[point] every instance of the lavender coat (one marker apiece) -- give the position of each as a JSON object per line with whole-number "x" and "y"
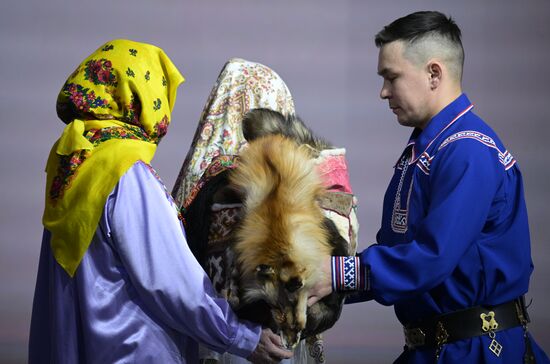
{"x": 138, "y": 296}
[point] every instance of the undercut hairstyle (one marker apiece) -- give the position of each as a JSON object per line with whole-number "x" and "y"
{"x": 427, "y": 34}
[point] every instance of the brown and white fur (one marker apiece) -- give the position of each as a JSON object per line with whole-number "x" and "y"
{"x": 281, "y": 238}
{"x": 283, "y": 234}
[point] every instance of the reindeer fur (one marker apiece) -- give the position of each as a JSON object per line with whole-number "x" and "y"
{"x": 283, "y": 234}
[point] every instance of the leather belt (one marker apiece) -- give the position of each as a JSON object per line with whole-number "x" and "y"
{"x": 463, "y": 324}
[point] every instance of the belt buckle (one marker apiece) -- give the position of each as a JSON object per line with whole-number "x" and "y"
{"x": 414, "y": 337}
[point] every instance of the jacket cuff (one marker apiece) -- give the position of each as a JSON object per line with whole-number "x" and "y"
{"x": 348, "y": 274}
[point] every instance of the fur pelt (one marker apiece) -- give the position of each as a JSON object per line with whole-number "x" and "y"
{"x": 283, "y": 234}
{"x": 281, "y": 238}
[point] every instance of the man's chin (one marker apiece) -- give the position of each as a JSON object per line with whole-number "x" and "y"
{"x": 408, "y": 122}
{"x": 404, "y": 122}
{"x": 401, "y": 119}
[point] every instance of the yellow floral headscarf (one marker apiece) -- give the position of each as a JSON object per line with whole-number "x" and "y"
{"x": 117, "y": 107}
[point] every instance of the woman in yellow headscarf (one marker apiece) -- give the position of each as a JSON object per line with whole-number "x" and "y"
{"x": 116, "y": 280}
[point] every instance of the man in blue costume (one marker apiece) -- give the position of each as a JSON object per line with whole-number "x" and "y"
{"x": 453, "y": 252}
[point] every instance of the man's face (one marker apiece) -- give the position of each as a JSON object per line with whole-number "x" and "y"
{"x": 406, "y": 86}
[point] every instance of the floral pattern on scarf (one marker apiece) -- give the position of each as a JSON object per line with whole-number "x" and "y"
{"x": 100, "y": 72}
{"x": 123, "y": 93}
{"x": 69, "y": 164}
{"x": 240, "y": 87}
{"x": 77, "y": 99}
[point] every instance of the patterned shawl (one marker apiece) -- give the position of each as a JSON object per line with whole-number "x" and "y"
{"x": 240, "y": 87}
{"x": 117, "y": 106}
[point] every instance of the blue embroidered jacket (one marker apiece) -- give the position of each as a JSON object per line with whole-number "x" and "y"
{"x": 454, "y": 230}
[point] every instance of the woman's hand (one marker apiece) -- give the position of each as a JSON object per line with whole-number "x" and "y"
{"x": 270, "y": 349}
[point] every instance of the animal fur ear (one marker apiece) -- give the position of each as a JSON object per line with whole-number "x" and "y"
{"x": 265, "y": 271}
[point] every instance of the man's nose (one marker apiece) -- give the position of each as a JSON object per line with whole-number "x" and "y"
{"x": 384, "y": 93}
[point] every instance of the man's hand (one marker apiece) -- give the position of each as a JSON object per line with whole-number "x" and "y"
{"x": 323, "y": 287}
{"x": 269, "y": 350}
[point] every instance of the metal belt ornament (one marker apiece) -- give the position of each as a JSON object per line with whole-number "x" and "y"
{"x": 441, "y": 337}
{"x": 489, "y": 324}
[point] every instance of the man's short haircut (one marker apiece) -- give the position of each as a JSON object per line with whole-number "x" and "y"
{"x": 427, "y": 34}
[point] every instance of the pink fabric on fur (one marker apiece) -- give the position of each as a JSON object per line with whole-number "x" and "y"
{"x": 333, "y": 170}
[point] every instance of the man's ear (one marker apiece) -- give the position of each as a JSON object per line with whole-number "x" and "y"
{"x": 435, "y": 72}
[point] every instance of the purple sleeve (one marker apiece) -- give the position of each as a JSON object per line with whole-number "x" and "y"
{"x": 151, "y": 243}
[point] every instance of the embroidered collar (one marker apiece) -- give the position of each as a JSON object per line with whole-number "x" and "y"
{"x": 422, "y": 139}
